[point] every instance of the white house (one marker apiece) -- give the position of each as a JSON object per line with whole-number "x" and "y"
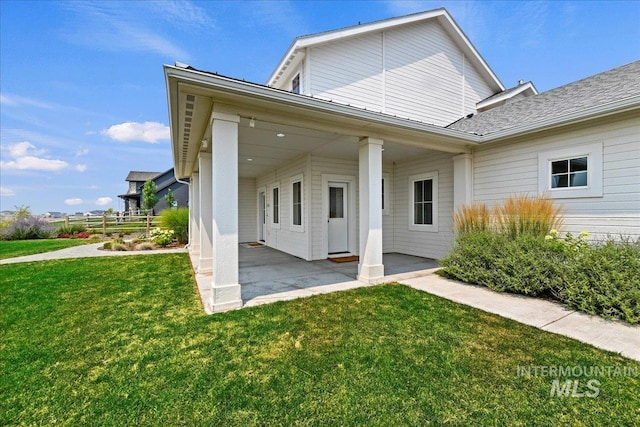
{"x": 365, "y": 140}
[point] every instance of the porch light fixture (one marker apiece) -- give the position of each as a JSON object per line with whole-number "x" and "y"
{"x": 280, "y": 135}
{"x": 204, "y": 143}
{"x": 252, "y": 123}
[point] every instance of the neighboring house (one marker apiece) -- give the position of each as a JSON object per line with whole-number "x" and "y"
{"x": 366, "y": 139}
{"x": 163, "y": 180}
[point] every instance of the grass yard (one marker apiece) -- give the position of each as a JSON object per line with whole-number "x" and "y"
{"x": 124, "y": 341}
{"x": 16, "y": 248}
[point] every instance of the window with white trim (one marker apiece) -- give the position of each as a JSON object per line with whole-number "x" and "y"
{"x": 295, "y": 84}
{"x": 423, "y": 202}
{"x": 297, "y": 207}
{"x": 571, "y": 172}
{"x": 386, "y": 195}
{"x": 275, "y": 206}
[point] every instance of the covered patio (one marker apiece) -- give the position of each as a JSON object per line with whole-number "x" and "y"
{"x": 268, "y": 275}
{"x": 300, "y": 174}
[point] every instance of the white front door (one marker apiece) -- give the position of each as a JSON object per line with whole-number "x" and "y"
{"x": 338, "y": 220}
{"x": 262, "y": 215}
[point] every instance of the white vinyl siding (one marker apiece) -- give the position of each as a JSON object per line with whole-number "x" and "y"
{"x": 415, "y": 71}
{"x": 435, "y": 244}
{"x": 324, "y": 166}
{"x": 616, "y": 212}
{"x": 247, "y": 210}
{"x": 349, "y": 72}
{"x": 288, "y": 238}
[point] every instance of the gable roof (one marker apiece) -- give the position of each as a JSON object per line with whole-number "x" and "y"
{"x": 526, "y": 89}
{"x": 138, "y": 176}
{"x": 577, "y": 98}
{"x": 295, "y": 53}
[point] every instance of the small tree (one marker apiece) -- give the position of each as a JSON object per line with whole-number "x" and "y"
{"x": 171, "y": 201}
{"x": 149, "y": 196}
{"x": 21, "y": 212}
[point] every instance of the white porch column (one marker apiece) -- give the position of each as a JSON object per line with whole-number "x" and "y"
{"x": 205, "y": 261}
{"x": 225, "y": 285}
{"x": 462, "y": 180}
{"x": 194, "y": 212}
{"x": 370, "y": 267}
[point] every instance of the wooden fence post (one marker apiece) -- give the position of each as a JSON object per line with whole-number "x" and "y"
{"x": 104, "y": 224}
{"x": 66, "y": 220}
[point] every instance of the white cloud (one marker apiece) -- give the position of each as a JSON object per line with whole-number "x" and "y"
{"x": 133, "y": 131}
{"x": 4, "y": 191}
{"x": 17, "y": 101}
{"x": 75, "y": 201}
{"x": 35, "y": 164}
{"x": 27, "y": 156}
{"x": 102, "y": 201}
{"x": 82, "y": 152}
{"x": 109, "y": 26}
{"x": 22, "y": 149}
{"x": 81, "y": 168}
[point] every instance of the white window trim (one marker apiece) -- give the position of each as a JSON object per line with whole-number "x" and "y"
{"x": 297, "y": 228}
{"x": 275, "y": 225}
{"x": 387, "y": 195}
{"x": 432, "y": 228}
{"x": 593, "y": 153}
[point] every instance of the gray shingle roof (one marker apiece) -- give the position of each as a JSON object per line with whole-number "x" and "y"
{"x": 137, "y": 176}
{"x": 604, "y": 88}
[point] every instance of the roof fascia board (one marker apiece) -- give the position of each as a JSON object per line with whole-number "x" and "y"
{"x": 604, "y": 110}
{"x": 284, "y": 97}
{"x": 505, "y": 96}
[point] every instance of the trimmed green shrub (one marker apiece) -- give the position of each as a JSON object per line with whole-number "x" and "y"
{"x": 144, "y": 246}
{"x": 71, "y": 229}
{"x": 107, "y": 246}
{"x": 605, "y": 280}
{"x": 161, "y": 237}
{"x": 527, "y": 264}
{"x": 178, "y": 221}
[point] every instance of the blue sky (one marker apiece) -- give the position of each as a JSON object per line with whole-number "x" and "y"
{"x": 82, "y": 92}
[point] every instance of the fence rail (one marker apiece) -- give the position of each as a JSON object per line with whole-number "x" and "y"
{"x": 129, "y": 222}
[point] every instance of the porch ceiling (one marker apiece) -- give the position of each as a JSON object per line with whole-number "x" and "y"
{"x": 260, "y": 149}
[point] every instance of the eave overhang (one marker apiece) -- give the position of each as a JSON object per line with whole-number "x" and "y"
{"x": 191, "y": 95}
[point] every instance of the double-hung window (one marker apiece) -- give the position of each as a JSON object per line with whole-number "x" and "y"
{"x": 297, "y": 208}
{"x": 275, "y": 206}
{"x": 295, "y": 84}
{"x": 423, "y": 202}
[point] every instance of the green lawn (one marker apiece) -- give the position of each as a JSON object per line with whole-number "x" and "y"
{"x": 15, "y": 248}
{"x": 123, "y": 341}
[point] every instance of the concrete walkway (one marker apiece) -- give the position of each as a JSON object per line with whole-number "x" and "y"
{"x": 84, "y": 251}
{"x": 609, "y": 335}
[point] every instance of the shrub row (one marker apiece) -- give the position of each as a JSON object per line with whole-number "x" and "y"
{"x": 601, "y": 279}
